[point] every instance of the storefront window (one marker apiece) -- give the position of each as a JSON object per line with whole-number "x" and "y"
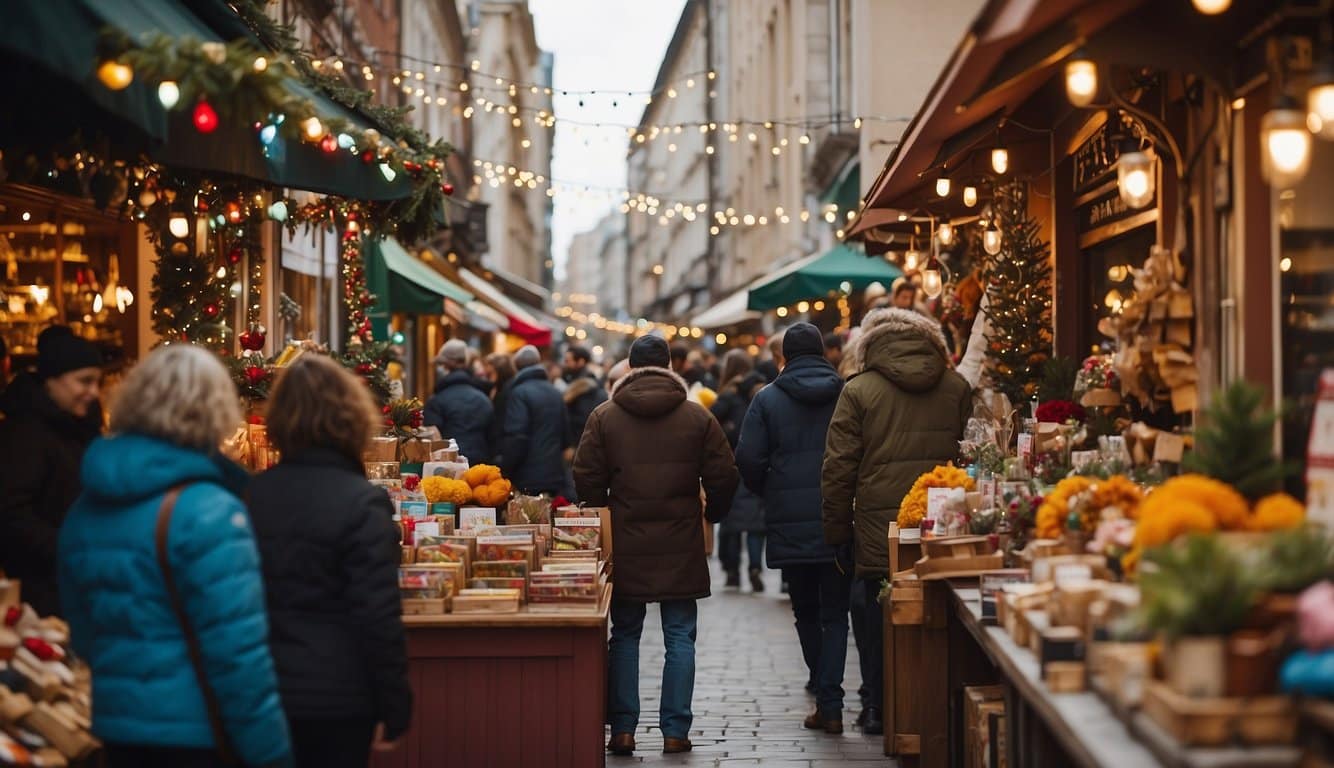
{"x": 1305, "y": 217}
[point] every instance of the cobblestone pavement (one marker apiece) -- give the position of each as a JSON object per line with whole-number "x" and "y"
{"x": 749, "y": 696}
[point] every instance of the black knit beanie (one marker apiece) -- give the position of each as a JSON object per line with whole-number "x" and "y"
{"x": 60, "y": 353}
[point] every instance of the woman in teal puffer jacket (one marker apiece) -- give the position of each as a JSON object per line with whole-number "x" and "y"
{"x": 170, "y": 414}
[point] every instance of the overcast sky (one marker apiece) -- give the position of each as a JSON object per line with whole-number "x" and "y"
{"x": 609, "y": 45}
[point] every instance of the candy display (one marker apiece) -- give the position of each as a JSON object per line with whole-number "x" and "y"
{"x": 579, "y": 533}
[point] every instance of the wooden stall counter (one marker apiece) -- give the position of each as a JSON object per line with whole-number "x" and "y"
{"x": 495, "y": 690}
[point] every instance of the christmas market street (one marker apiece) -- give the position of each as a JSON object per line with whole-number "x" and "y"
{"x": 581, "y": 383}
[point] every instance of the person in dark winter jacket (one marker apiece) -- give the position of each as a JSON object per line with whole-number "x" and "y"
{"x": 170, "y": 415}
{"x": 330, "y": 553}
{"x": 583, "y": 394}
{"x": 780, "y": 456}
{"x": 532, "y": 452}
{"x": 646, "y": 453}
{"x": 51, "y": 416}
{"x": 902, "y": 413}
{"x": 499, "y": 368}
{"x": 458, "y": 408}
{"x": 740, "y": 383}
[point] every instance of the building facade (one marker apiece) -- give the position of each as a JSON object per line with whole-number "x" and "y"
{"x": 803, "y": 95}
{"x": 595, "y": 269}
{"x": 511, "y": 108}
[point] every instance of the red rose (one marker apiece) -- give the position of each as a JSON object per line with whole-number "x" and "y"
{"x": 1060, "y": 411}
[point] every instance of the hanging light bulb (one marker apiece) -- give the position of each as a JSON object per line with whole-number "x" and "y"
{"x": 911, "y": 259}
{"x": 943, "y": 186}
{"x": 387, "y": 172}
{"x": 1135, "y": 177}
{"x": 1000, "y": 160}
{"x": 991, "y": 240}
{"x": 179, "y": 226}
{"x": 1286, "y": 146}
{"x": 168, "y": 92}
{"x": 267, "y": 134}
{"x": 114, "y": 75}
{"x": 1081, "y": 79}
{"x": 278, "y": 211}
{"x": 932, "y": 283}
{"x": 313, "y": 128}
{"x": 1211, "y": 7}
{"x": 1320, "y": 102}
{"x": 970, "y": 196}
{"x": 945, "y": 233}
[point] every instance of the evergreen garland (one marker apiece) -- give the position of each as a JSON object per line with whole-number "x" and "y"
{"x": 1019, "y": 284}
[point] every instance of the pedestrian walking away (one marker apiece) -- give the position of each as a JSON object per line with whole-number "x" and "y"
{"x": 160, "y": 577}
{"x": 534, "y": 429}
{"x": 459, "y": 408}
{"x": 901, "y": 414}
{"x": 645, "y": 454}
{"x": 746, "y": 518}
{"x": 334, "y": 611}
{"x": 780, "y": 454}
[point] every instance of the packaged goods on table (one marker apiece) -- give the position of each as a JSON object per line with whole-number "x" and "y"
{"x": 576, "y": 533}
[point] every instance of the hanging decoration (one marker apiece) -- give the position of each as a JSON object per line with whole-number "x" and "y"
{"x": 357, "y": 300}
{"x": 1019, "y": 284}
{"x": 1153, "y": 331}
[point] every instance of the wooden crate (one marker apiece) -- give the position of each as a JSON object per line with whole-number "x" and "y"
{"x": 957, "y": 556}
{"x": 1217, "y": 722}
{"x": 979, "y": 701}
{"x": 903, "y": 652}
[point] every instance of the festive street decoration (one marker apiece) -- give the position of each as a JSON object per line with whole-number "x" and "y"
{"x": 1019, "y": 284}
{"x": 188, "y": 296}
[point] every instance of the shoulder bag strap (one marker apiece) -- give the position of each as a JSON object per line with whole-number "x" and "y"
{"x": 220, "y": 739}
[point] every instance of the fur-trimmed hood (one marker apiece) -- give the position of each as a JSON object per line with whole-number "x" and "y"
{"x": 580, "y": 386}
{"x": 650, "y": 391}
{"x": 905, "y": 346}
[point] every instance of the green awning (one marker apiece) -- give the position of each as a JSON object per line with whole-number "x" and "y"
{"x": 818, "y": 276}
{"x": 846, "y": 190}
{"x": 51, "y": 47}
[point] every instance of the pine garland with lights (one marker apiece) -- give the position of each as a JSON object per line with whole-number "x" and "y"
{"x": 356, "y": 298}
{"x": 1019, "y": 284}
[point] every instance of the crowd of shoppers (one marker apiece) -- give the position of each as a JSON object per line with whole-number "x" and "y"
{"x": 260, "y": 617}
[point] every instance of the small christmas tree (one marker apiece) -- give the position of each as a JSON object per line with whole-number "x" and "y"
{"x": 1235, "y": 443}
{"x": 190, "y": 303}
{"x": 1019, "y": 287}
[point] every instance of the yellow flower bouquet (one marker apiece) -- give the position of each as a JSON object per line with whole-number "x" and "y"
{"x": 443, "y": 489}
{"x": 912, "y": 510}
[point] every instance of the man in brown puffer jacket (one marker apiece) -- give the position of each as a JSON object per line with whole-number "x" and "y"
{"x": 901, "y": 414}
{"x": 645, "y": 454}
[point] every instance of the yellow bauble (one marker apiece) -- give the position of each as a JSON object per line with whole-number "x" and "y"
{"x": 115, "y": 75}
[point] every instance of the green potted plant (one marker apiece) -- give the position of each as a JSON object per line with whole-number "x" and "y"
{"x": 1195, "y": 592}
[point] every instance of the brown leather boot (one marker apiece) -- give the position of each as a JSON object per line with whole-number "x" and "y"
{"x": 622, "y": 744}
{"x": 816, "y": 722}
{"x": 672, "y": 746}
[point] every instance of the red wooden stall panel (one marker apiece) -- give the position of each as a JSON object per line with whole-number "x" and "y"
{"x": 504, "y": 697}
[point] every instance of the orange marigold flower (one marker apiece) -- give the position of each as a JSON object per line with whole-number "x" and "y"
{"x": 912, "y": 510}
{"x": 1277, "y": 512}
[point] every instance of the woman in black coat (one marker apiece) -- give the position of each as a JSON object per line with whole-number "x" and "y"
{"x": 50, "y": 418}
{"x": 330, "y": 554}
{"x": 740, "y": 383}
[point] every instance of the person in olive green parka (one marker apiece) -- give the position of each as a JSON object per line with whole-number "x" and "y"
{"x": 902, "y": 413}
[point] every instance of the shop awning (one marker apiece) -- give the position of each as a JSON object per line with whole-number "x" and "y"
{"x": 522, "y": 322}
{"x": 403, "y": 283}
{"x": 728, "y": 312}
{"x": 817, "y": 276}
{"x": 1012, "y": 49}
{"x": 54, "y": 44}
{"x": 482, "y": 317}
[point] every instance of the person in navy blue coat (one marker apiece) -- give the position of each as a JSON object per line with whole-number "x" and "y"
{"x": 171, "y": 413}
{"x": 780, "y": 455}
{"x": 535, "y": 436}
{"x": 459, "y": 409}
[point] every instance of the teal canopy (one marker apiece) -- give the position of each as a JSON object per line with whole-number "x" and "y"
{"x": 52, "y": 49}
{"x": 818, "y": 276}
{"x": 403, "y": 283}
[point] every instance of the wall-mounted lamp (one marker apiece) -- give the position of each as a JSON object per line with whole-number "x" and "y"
{"x": 1286, "y": 146}
{"x": 1081, "y": 79}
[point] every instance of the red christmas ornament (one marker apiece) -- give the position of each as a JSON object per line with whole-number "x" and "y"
{"x": 329, "y": 144}
{"x": 205, "y": 117}
{"x": 255, "y": 375}
{"x": 211, "y": 309}
{"x": 368, "y": 156}
{"x": 365, "y": 368}
{"x": 253, "y": 339}
{"x": 201, "y": 204}
{"x": 447, "y": 188}
{"x": 234, "y": 256}
{"x": 42, "y": 649}
{"x": 385, "y": 410}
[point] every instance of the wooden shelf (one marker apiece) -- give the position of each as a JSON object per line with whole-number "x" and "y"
{"x": 524, "y": 618}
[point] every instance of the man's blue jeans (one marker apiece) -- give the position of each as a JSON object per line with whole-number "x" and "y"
{"x": 679, "y": 618}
